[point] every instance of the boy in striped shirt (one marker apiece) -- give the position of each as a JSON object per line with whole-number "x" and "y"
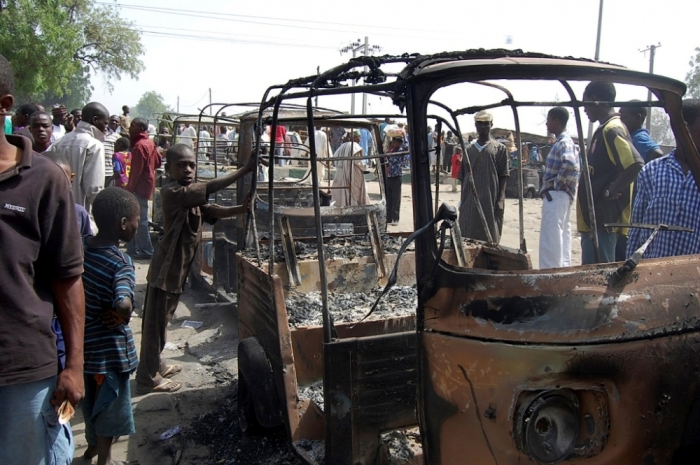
{"x": 110, "y": 352}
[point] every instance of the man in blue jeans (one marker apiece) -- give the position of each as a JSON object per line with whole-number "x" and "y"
{"x": 145, "y": 159}
{"x": 40, "y": 273}
{"x": 613, "y": 165}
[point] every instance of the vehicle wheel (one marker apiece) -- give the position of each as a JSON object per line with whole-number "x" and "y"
{"x": 246, "y": 409}
{"x": 529, "y": 194}
{"x": 257, "y": 385}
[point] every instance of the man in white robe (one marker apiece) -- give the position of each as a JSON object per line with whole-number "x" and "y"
{"x": 349, "y": 175}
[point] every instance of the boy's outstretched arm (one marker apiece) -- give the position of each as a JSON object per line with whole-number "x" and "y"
{"x": 217, "y": 211}
{"x": 220, "y": 183}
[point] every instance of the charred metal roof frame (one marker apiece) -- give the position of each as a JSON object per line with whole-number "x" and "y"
{"x": 474, "y": 66}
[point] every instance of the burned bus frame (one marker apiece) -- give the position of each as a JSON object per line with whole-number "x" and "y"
{"x": 594, "y": 364}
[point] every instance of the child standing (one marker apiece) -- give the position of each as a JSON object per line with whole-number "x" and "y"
{"x": 456, "y": 164}
{"x": 121, "y": 161}
{"x": 110, "y": 353}
{"x": 185, "y": 206}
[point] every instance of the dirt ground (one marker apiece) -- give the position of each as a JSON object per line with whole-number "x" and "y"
{"x": 198, "y": 424}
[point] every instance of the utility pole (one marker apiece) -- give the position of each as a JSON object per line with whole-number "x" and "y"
{"x": 210, "y": 101}
{"x": 597, "y": 58}
{"x": 366, "y": 48}
{"x": 652, "y": 54}
{"x": 318, "y": 73}
{"x": 178, "y": 104}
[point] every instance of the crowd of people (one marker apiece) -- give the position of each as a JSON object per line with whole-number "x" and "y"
{"x": 75, "y": 186}
{"x": 631, "y": 182}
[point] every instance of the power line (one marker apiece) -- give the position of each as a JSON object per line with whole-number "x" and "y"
{"x": 271, "y": 18}
{"x": 228, "y": 40}
{"x": 229, "y": 17}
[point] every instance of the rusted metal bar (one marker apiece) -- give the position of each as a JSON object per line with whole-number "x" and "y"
{"x": 586, "y": 174}
{"x": 438, "y": 165}
{"x": 377, "y": 249}
{"x": 318, "y": 223}
{"x": 290, "y": 255}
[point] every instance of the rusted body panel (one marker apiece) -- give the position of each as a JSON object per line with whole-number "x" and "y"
{"x": 568, "y": 306}
{"x": 639, "y": 395}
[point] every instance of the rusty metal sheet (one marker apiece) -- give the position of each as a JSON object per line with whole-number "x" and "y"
{"x": 372, "y": 388}
{"x": 307, "y": 342}
{"x": 635, "y": 397}
{"x": 572, "y": 305}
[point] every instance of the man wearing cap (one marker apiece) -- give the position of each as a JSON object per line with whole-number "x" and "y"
{"x": 349, "y": 180}
{"x": 394, "y": 172}
{"x": 59, "y": 119}
{"x": 489, "y": 165}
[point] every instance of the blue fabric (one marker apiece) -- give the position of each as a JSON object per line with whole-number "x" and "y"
{"x": 561, "y": 169}
{"x": 29, "y": 428}
{"x": 107, "y": 409}
{"x": 109, "y": 278}
{"x": 141, "y": 243}
{"x": 606, "y": 242}
{"x": 643, "y": 143}
{"x": 665, "y": 194}
{"x": 395, "y": 163}
{"x": 365, "y": 141}
{"x": 83, "y": 220}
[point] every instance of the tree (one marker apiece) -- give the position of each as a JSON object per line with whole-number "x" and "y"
{"x": 56, "y": 46}
{"x": 661, "y": 131}
{"x": 151, "y": 102}
{"x": 692, "y": 79}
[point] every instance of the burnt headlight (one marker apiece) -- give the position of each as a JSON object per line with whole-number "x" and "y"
{"x": 547, "y": 425}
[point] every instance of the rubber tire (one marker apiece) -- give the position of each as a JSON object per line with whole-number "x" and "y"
{"x": 247, "y": 422}
{"x": 255, "y": 371}
{"x": 530, "y": 194}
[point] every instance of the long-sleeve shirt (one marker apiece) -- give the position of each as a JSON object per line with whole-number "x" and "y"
{"x": 145, "y": 159}
{"x": 85, "y": 152}
{"x": 666, "y": 194}
{"x": 561, "y": 169}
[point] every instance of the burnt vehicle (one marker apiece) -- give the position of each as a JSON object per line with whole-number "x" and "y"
{"x": 292, "y": 215}
{"x": 592, "y": 364}
{"x": 343, "y": 381}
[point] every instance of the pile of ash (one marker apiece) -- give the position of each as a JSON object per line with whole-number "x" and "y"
{"x": 304, "y": 309}
{"x": 316, "y": 450}
{"x": 339, "y": 247}
{"x": 400, "y": 446}
{"x": 313, "y": 392}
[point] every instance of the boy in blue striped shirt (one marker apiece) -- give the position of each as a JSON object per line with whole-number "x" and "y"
{"x": 110, "y": 352}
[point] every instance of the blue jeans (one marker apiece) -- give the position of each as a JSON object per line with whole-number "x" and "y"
{"x": 29, "y": 428}
{"x": 606, "y": 243}
{"x": 141, "y": 243}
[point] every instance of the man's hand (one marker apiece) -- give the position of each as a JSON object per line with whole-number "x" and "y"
{"x": 112, "y": 318}
{"x": 70, "y": 385}
{"x": 69, "y": 123}
{"x": 500, "y": 204}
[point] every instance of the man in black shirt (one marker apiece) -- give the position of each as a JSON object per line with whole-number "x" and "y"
{"x": 40, "y": 274}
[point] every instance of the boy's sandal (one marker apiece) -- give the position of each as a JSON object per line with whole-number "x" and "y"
{"x": 166, "y": 385}
{"x": 171, "y": 370}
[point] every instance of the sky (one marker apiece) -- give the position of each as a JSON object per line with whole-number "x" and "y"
{"x": 239, "y": 48}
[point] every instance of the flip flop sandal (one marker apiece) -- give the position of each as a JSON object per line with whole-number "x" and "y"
{"x": 171, "y": 370}
{"x": 166, "y": 385}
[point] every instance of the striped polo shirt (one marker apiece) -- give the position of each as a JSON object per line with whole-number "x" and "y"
{"x": 108, "y": 278}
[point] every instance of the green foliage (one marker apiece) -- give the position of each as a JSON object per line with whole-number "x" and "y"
{"x": 56, "y": 46}
{"x": 151, "y": 102}
{"x": 693, "y": 76}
